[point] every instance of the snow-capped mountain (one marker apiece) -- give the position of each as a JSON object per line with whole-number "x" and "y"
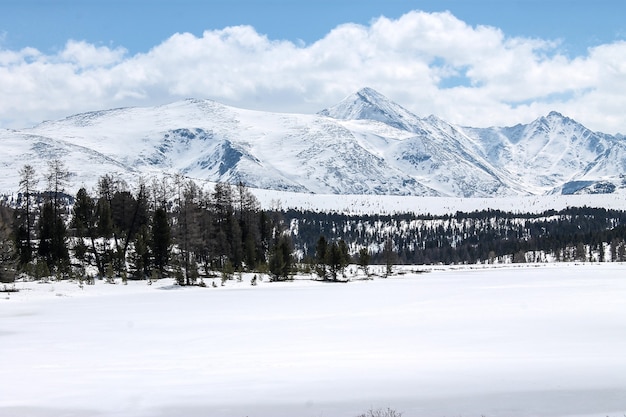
{"x": 555, "y": 154}
{"x": 366, "y": 144}
{"x": 368, "y": 104}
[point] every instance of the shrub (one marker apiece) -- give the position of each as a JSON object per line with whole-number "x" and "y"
{"x": 388, "y": 412}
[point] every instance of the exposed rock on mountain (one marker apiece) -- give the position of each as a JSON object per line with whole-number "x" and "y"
{"x": 366, "y": 144}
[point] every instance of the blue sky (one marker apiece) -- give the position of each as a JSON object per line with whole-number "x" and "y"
{"x": 138, "y": 25}
{"x": 92, "y": 54}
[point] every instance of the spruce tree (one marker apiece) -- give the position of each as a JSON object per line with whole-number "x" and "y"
{"x": 281, "y": 260}
{"x": 389, "y": 255}
{"x": 141, "y": 255}
{"x": 321, "y": 249}
{"x": 7, "y": 247}
{"x": 53, "y": 238}
{"x": 161, "y": 240}
{"x": 337, "y": 258}
{"x": 104, "y": 230}
{"x": 83, "y": 218}
{"x": 364, "y": 260}
{"x": 247, "y": 208}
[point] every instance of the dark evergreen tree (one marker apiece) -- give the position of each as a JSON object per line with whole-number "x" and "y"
{"x": 83, "y": 213}
{"x": 7, "y": 247}
{"x": 334, "y": 260}
{"x": 364, "y": 260}
{"x": 247, "y": 211}
{"x": 46, "y": 231}
{"x": 265, "y": 237}
{"x": 223, "y": 223}
{"x": 281, "y": 260}
{"x": 53, "y": 238}
{"x": 104, "y": 230}
{"x": 122, "y": 215}
{"x": 141, "y": 255}
{"x": 83, "y": 223}
{"x": 344, "y": 253}
{"x": 321, "y": 256}
{"x": 205, "y": 246}
{"x": 160, "y": 240}
{"x": 22, "y": 239}
{"x": 128, "y": 215}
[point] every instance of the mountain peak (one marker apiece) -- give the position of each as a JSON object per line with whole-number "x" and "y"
{"x": 370, "y": 95}
{"x": 556, "y": 118}
{"x": 369, "y": 104}
{"x": 555, "y": 114}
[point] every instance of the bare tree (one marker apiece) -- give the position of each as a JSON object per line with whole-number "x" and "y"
{"x": 187, "y": 216}
{"x": 52, "y": 229}
{"x": 28, "y": 184}
{"x": 58, "y": 179}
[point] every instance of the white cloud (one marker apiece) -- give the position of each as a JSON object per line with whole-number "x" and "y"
{"x": 412, "y": 60}
{"x": 9, "y": 58}
{"x": 85, "y": 55}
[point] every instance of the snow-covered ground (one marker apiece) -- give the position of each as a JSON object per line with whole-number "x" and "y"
{"x": 389, "y": 204}
{"x": 532, "y": 340}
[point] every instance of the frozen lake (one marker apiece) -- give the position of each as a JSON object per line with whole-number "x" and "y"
{"x": 510, "y": 341}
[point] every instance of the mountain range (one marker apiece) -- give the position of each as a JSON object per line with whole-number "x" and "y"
{"x": 366, "y": 144}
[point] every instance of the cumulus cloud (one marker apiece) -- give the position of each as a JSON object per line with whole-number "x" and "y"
{"x": 84, "y": 55}
{"x": 431, "y": 63}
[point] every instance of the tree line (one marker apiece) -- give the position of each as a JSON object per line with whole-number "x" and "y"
{"x": 173, "y": 227}
{"x": 170, "y": 227}
{"x": 572, "y": 234}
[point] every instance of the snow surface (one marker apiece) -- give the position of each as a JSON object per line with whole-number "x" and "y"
{"x": 389, "y": 204}
{"x": 531, "y": 340}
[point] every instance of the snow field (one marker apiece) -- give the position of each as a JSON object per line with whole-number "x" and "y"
{"x": 543, "y": 340}
{"x": 389, "y": 204}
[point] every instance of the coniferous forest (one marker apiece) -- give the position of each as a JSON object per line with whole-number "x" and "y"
{"x": 172, "y": 227}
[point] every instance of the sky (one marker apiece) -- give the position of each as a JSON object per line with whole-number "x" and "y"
{"x": 471, "y": 62}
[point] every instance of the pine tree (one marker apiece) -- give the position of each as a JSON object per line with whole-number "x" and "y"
{"x": 122, "y": 215}
{"x": 53, "y": 238}
{"x": 128, "y": 215}
{"x": 22, "y": 239}
{"x": 364, "y": 260}
{"x": 141, "y": 255}
{"x": 337, "y": 258}
{"x": 7, "y": 247}
{"x": 344, "y": 253}
{"x": 83, "y": 218}
{"x": 104, "y": 230}
{"x": 161, "y": 240}
{"x": 321, "y": 249}
{"x": 248, "y": 207}
{"x": 281, "y": 260}
{"x": 224, "y": 243}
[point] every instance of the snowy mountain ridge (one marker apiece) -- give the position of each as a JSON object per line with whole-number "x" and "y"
{"x": 366, "y": 144}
